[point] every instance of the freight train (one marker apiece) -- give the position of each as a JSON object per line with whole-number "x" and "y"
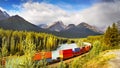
{"x": 63, "y": 54}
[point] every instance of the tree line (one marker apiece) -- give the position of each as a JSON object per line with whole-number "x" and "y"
{"x": 112, "y": 36}
{"x": 14, "y": 41}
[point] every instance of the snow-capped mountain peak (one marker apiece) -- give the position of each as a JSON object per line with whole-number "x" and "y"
{"x": 57, "y": 26}
{"x": 3, "y": 15}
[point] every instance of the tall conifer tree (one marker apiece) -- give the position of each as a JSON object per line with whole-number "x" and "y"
{"x": 111, "y": 35}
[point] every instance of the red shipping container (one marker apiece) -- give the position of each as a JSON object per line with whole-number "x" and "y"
{"x": 66, "y": 51}
{"x": 64, "y": 54}
{"x": 83, "y": 50}
{"x": 77, "y": 53}
{"x": 68, "y": 56}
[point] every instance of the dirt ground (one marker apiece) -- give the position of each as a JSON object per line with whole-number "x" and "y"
{"x": 115, "y": 62}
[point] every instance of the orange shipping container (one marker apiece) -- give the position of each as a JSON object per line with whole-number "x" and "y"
{"x": 87, "y": 48}
{"x": 46, "y": 54}
{"x": 37, "y": 56}
{"x": 42, "y": 55}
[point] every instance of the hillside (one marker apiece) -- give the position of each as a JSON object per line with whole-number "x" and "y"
{"x": 18, "y": 23}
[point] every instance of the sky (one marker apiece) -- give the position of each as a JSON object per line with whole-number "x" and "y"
{"x": 99, "y": 13}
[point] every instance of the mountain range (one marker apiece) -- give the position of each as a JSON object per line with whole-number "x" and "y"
{"x": 60, "y": 26}
{"x": 75, "y": 31}
{"x": 57, "y": 28}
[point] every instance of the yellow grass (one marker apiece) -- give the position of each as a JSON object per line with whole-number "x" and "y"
{"x": 100, "y": 61}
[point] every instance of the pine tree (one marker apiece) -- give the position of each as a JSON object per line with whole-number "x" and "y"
{"x": 118, "y": 26}
{"x": 107, "y": 35}
{"x": 114, "y": 35}
{"x": 111, "y": 36}
{"x": 12, "y": 46}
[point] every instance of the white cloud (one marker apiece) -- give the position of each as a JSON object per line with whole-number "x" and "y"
{"x": 39, "y": 12}
{"x": 100, "y": 14}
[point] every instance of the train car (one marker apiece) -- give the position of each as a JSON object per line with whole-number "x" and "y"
{"x": 76, "y": 51}
{"x": 47, "y": 54}
{"x": 87, "y": 48}
{"x": 86, "y": 44}
{"x": 65, "y": 54}
{"x": 37, "y": 56}
{"x": 83, "y": 50}
{"x": 43, "y": 55}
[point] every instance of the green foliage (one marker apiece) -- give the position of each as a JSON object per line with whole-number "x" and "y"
{"x": 4, "y": 50}
{"x": 41, "y": 64}
{"x": 75, "y": 64}
{"x": 24, "y": 61}
{"x": 96, "y": 49}
{"x": 111, "y": 36}
{"x": 100, "y": 61}
{"x": 62, "y": 64}
{"x": 14, "y": 41}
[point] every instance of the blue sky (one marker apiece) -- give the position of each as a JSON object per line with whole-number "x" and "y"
{"x": 76, "y": 4}
{"x": 100, "y": 13}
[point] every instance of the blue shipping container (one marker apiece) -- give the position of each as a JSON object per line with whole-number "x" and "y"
{"x": 76, "y": 50}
